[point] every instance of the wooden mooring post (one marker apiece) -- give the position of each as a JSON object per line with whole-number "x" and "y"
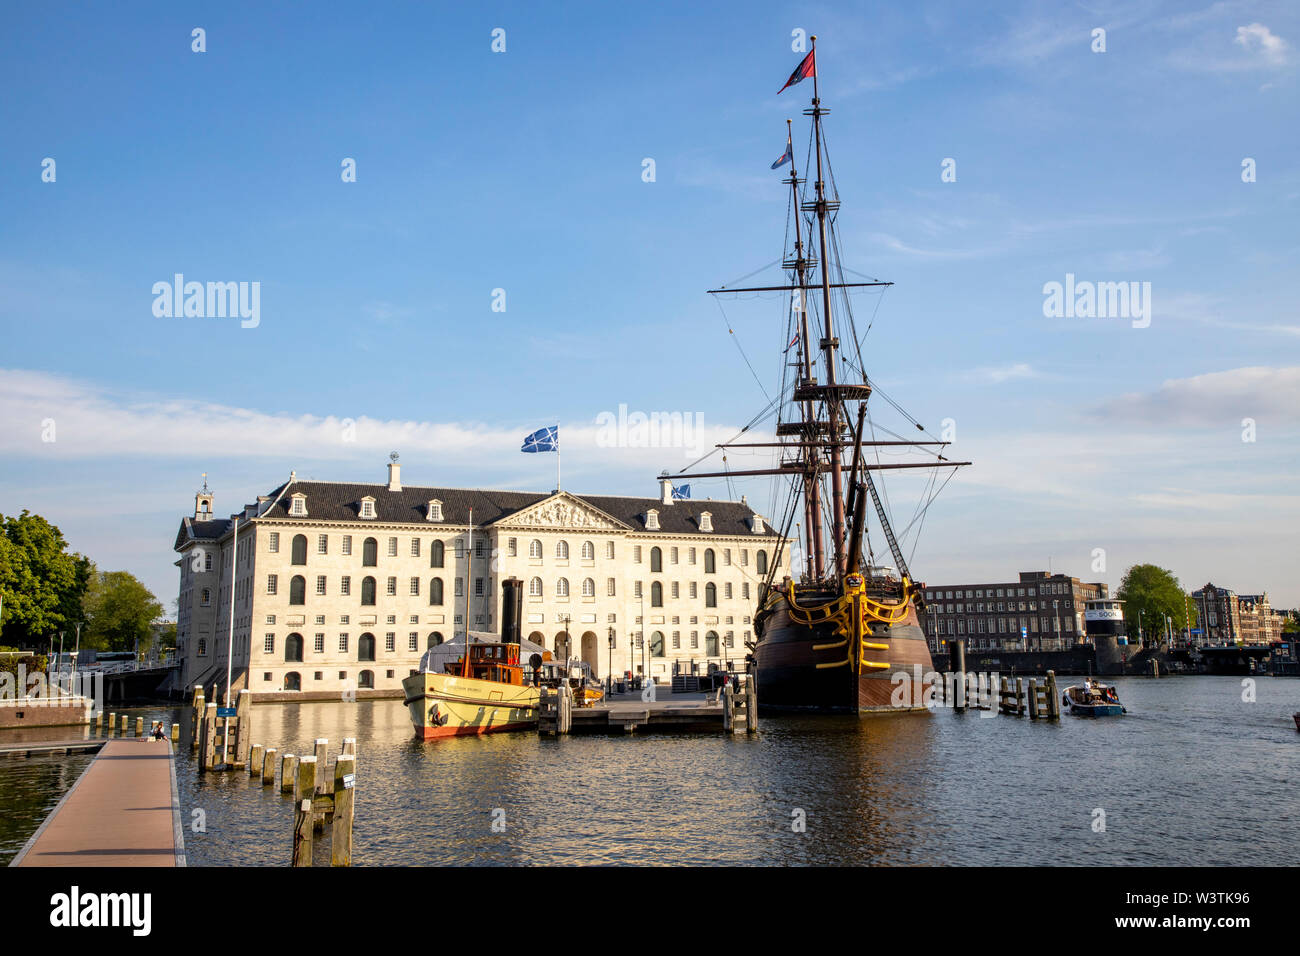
{"x": 288, "y": 773}
{"x": 268, "y": 767}
{"x": 255, "y": 760}
{"x": 139, "y": 726}
{"x": 112, "y": 719}
{"x": 208, "y": 739}
{"x": 197, "y": 706}
{"x": 176, "y": 734}
{"x": 1053, "y": 697}
{"x": 302, "y": 832}
{"x": 345, "y": 777}
{"x": 555, "y": 710}
{"x": 959, "y": 674}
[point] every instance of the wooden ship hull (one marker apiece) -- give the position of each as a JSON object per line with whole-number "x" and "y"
{"x": 446, "y": 705}
{"x": 810, "y": 666}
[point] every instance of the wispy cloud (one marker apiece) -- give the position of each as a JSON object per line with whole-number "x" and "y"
{"x": 1215, "y": 399}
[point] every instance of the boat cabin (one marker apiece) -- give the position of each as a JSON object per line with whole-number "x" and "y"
{"x": 497, "y": 662}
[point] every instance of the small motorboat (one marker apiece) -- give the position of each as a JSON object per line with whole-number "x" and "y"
{"x": 1092, "y": 699}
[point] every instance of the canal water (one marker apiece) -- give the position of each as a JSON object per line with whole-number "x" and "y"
{"x": 1193, "y": 774}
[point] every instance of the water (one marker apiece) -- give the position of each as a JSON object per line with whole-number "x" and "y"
{"x": 1193, "y": 775}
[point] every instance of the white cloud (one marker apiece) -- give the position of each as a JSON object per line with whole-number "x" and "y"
{"x": 1217, "y": 399}
{"x": 996, "y": 375}
{"x": 1260, "y": 40}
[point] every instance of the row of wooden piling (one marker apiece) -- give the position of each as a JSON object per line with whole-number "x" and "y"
{"x": 105, "y": 723}
{"x": 319, "y": 797}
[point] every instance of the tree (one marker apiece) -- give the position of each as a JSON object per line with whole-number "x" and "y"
{"x": 41, "y": 581}
{"x": 1149, "y": 593}
{"x": 119, "y": 611}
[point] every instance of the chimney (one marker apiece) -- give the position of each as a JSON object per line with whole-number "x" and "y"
{"x": 666, "y": 490}
{"x": 394, "y": 476}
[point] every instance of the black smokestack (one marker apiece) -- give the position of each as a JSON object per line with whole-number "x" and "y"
{"x": 512, "y": 609}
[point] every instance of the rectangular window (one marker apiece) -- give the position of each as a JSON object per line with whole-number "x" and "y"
{"x": 512, "y": 547}
{"x": 676, "y": 589}
{"x": 690, "y": 555}
{"x": 415, "y": 587}
{"x": 478, "y": 548}
{"x": 695, "y": 640}
{"x": 392, "y": 547}
{"x": 609, "y": 587}
{"x": 392, "y": 587}
{"x": 322, "y": 544}
{"x": 460, "y": 548}
{"x": 478, "y": 587}
{"x": 343, "y": 619}
{"x": 636, "y": 554}
{"x": 320, "y": 584}
{"x": 345, "y": 585}
{"x": 744, "y": 590}
{"x": 347, "y": 544}
{"x": 694, "y": 591}
{"x": 673, "y": 555}
{"x": 727, "y": 591}
{"x": 272, "y": 584}
{"x": 268, "y": 644}
{"x": 319, "y": 644}
{"x": 744, "y": 558}
{"x": 273, "y": 542}
{"x": 390, "y": 642}
{"x": 636, "y": 589}
{"x": 320, "y": 618}
{"x": 415, "y": 547}
{"x": 726, "y": 557}
{"x": 343, "y": 643}
{"x": 609, "y": 550}
{"x": 460, "y": 587}
{"x": 270, "y": 619}
{"x": 677, "y": 640}
{"x": 413, "y": 641}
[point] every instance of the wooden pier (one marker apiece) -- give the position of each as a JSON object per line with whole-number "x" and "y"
{"x": 733, "y": 710}
{"x": 123, "y": 811}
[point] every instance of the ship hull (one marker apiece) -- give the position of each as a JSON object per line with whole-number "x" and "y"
{"x": 444, "y": 705}
{"x": 787, "y": 659}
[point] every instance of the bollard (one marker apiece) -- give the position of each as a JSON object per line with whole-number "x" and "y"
{"x": 99, "y": 722}
{"x": 1053, "y": 697}
{"x": 1033, "y": 699}
{"x": 322, "y": 750}
{"x": 139, "y": 726}
{"x": 304, "y": 787}
{"x": 302, "y": 835}
{"x": 255, "y": 760}
{"x": 268, "y": 767}
{"x": 288, "y": 773}
{"x": 126, "y": 726}
{"x": 751, "y": 706}
{"x": 112, "y": 722}
{"x": 345, "y": 776}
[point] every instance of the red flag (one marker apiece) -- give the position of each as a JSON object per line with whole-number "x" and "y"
{"x": 804, "y": 70}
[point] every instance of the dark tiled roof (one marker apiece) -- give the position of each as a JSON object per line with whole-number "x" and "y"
{"x": 330, "y": 501}
{"x": 190, "y": 528}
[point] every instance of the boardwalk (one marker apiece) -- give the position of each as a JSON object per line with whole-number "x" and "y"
{"x": 122, "y": 812}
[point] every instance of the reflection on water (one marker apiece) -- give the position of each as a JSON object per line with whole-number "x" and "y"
{"x": 1193, "y": 775}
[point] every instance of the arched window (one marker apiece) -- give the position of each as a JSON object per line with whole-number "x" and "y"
{"x": 435, "y": 639}
{"x": 710, "y": 563}
{"x": 298, "y": 590}
{"x": 293, "y": 681}
{"x": 366, "y": 647}
{"x": 562, "y": 587}
{"x": 657, "y": 644}
{"x": 366, "y": 680}
{"x": 368, "y": 590}
{"x": 656, "y": 594}
{"x": 588, "y": 551}
{"x": 435, "y": 590}
{"x": 711, "y": 644}
{"x": 588, "y": 588}
{"x": 299, "y": 549}
{"x": 562, "y": 550}
{"x": 203, "y": 646}
{"x": 710, "y": 595}
{"x": 762, "y": 562}
{"x": 370, "y": 553}
{"x": 293, "y": 648}
{"x": 535, "y": 587}
{"x": 656, "y": 560}
{"x": 437, "y": 555}
{"x": 535, "y": 549}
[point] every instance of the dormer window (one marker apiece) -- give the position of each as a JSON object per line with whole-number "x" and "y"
{"x": 435, "y": 511}
{"x": 367, "y": 507}
{"x": 706, "y": 521}
{"x": 652, "y": 520}
{"x": 757, "y": 524}
{"x": 298, "y": 505}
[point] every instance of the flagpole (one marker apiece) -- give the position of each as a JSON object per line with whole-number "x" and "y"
{"x": 557, "y": 458}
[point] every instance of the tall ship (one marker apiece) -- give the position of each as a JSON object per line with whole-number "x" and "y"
{"x": 846, "y": 635}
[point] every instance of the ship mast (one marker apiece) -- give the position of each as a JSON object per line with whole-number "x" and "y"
{"x": 812, "y": 486}
{"x": 828, "y": 343}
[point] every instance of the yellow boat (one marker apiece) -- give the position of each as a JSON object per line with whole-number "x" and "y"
{"x": 483, "y": 694}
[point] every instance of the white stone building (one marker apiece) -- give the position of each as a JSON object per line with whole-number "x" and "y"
{"x": 340, "y": 587}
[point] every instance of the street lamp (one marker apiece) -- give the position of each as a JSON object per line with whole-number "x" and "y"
{"x": 610, "y": 689}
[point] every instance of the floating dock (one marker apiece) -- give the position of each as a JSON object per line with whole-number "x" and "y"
{"x": 733, "y": 710}
{"x": 123, "y": 811}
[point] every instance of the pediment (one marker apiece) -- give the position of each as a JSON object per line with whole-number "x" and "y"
{"x": 562, "y": 510}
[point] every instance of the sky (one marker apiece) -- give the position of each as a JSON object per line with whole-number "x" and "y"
{"x": 532, "y": 230}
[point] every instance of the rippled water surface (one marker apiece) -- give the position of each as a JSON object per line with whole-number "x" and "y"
{"x": 1193, "y": 775}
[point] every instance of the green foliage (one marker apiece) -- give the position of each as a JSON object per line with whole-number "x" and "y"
{"x": 119, "y": 610}
{"x": 1149, "y": 593}
{"x": 1291, "y": 626}
{"x": 41, "y": 581}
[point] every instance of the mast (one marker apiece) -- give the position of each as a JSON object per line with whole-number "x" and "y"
{"x": 812, "y": 486}
{"x": 469, "y": 580}
{"x": 828, "y": 343}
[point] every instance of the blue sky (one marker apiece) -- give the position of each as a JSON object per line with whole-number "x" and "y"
{"x": 522, "y": 171}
